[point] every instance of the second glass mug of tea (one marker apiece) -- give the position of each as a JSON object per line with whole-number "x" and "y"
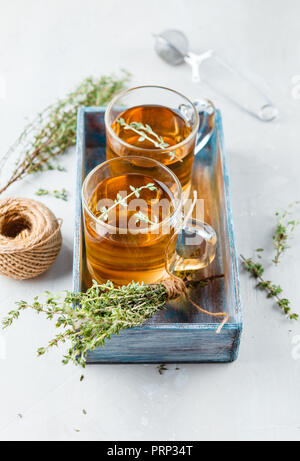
{"x": 158, "y": 123}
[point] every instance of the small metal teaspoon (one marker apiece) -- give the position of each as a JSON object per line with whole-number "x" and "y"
{"x": 172, "y": 46}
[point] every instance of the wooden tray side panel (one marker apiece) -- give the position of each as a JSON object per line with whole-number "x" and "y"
{"x": 167, "y": 345}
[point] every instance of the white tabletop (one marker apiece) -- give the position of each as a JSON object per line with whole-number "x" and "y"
{"x": 46, "y": 48}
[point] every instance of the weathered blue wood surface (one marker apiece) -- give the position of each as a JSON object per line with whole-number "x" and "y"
{"x": 179, "y": 333}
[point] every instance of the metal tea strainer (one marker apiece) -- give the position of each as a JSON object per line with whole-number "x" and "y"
{"x": 212, "y": 70}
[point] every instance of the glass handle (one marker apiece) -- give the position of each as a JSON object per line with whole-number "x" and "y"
{"x": 195, "y": 247}
{"x": 207, "y": 113}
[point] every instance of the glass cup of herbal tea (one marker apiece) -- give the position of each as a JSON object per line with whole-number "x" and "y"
{"x": 132, "y": 207}
{"x": 157, "y": 123}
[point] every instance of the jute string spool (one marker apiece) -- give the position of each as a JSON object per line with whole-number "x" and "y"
{"x": 30, "y": 238}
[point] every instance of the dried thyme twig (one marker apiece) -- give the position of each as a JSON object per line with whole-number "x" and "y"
{"x": 272, "y": 290}
{"x": 63, "y": 194}
{"x": 161, "y": 368}
{"x": 282, "y": 233}
{"x": 139, "y": 129}
{"x": 54, "y": 129}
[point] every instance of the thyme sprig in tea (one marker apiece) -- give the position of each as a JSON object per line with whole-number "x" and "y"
{"x": 141, "y": 217}
{"x": 122, "y": 201}
{"x": 142, "y": 130}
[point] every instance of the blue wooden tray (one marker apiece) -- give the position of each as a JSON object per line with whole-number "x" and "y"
{"x": 180, "y": 333}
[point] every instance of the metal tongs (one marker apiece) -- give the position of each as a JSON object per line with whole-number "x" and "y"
{"x": 173, "y": 47}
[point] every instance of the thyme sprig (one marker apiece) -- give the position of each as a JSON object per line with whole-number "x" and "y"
{"x": 63, "y": 194}
{"x": 122, "y": 201}
{"x": 141, "y": 217}
{"x": 272, "y": 290}
{"x": 54, "y": 129}
{"x": 283, "y": 232}
{"x": 141, "y": 129}
{"x": 161, "y": 368}
{"x": 88, "y": 319}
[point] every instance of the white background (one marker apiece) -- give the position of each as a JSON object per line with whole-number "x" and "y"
{"x": 46, "y": 48}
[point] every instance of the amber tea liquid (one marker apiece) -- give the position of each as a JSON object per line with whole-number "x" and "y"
{"x": 113, "y": 251}
{"x": 167, "y": 124}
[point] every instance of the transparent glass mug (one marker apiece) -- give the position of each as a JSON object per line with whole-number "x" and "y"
{"x": 120, "y": 246}
{"x": 158, "y": 123}
{"x": 196, "y": 245}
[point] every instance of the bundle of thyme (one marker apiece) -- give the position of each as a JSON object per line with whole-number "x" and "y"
{"x": 88, "y": 319}
{"x": 54, "y": 129}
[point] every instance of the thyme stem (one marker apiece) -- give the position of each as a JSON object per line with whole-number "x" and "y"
{"x": 133, "y": 127}
{"x": 282, "y": 233}
{"x": 122, "y": 201}
{"x": 54, "y": 129}
{"x": 141, "y": 130}
{"x": 273, "y": 291}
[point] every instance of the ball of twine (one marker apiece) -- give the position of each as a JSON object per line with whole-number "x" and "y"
{"x": 30, "y": 238}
